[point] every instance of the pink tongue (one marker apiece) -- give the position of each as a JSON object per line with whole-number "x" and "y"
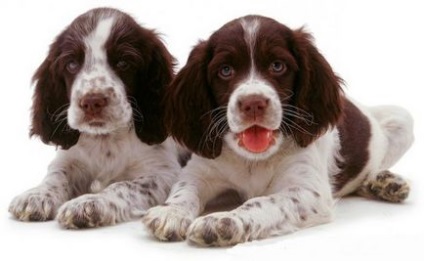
{"x": 256, "y": 139}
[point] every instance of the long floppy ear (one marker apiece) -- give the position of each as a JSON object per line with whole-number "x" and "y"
{"x": 189, "y": 103}
{"x": 317, "y": 90}
{"x": 151, "y": 129}
{"x": 50, "y": 104}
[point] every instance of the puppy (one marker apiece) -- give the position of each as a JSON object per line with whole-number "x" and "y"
{"x": 97, "y": 97}
{"x": 265, "y": 115}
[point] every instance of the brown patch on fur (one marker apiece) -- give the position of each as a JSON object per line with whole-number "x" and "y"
{"x": 173, "y": 236}
{"x": 355, "y": 133}
{"x": 146, "y": 185}
{"x": 386, "y": 186}
{"x": 226, "y": 201}
{"x": 145, "y": 81}
{"x": 309, "y": 84}
{"x": 247, "y": 227}
{"x": 209, "y": 235}
{"x": 154, "y": 224}
{"x": 294, "y": 200}
{"x": 38, "y": 216}
{"x": 316, "y": 90}
{"x": 225, "y": 228}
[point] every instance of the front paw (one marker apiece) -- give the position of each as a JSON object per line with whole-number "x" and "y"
{"x": 167, "y": 223}
{"x": 87, "y": 211}
{"x": 218, "y": 229}
{"x": 34, "y": 205}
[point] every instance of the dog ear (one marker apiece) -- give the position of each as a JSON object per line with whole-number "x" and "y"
{"x": 317, "y": 90}
{"x": 154, "y": 77}
{"x": 50, "y": 104}
{"x": 190, "y": 104}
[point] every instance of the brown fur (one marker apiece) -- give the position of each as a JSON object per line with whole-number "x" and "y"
{"x": 150, "y": 71}
{"x": 355, "y": 133}
{"x": 198, "y": 94}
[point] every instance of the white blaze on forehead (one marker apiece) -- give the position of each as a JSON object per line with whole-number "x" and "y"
{"x": 253, "y": 84}
{"x": 97, "y": 76}
{"x": 250, "y": 28}
{"x": 96, "y": 41}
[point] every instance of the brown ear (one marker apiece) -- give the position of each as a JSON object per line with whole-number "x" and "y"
{"x": 151, "y": 84}
{"x": 50, "y": 104}
{"x": 317, "y": 90}
{"x": 190, "y": 103}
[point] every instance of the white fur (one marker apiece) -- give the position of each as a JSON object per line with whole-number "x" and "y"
{"x": 288, "y": 191}
{"x": 108, "y": 165}
{"x": 285, "y": 188}
{"x": 96, "y": 76}
{"x": 253, "y": 85}
{"x": 250, "y": 27}
{"x": 391, "y": 136}
{"x": 123, "y": 175}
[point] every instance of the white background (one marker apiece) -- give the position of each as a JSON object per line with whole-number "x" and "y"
{"x": 376, "y": 46}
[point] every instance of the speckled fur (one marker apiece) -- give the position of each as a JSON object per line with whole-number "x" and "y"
{"x": 386, "y": 186}
{"x": 294, "y": 182}
{"x": 114, "y": 159}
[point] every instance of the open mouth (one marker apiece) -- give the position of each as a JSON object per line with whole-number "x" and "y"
{"x": 256, "y": 139}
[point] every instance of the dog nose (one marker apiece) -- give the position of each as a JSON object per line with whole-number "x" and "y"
{"x": 93, "y": 103}
{"x": 253, "y": 105}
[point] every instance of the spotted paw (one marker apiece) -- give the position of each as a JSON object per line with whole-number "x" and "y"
{"x": 87, "y": 211}
{"x": 35, "y": 205}
{"x": 386, "y": 186}
{"x": 218, "y": 229}
{"x": 167, "y": 223}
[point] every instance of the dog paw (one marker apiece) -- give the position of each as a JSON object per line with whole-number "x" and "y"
{"x": 218, "y": 229}
{"x": 87, "y": 211}
{"x": 167, "y": 223}
{"x": 34, "y": 205}
{"x": 386, "y": 186}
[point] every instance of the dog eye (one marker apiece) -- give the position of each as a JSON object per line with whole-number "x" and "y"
{"x": 72, "y": 66}
{"x": 278, "y": 67}
{"x": 122, "y": 65}
{"x": 226, "y": 72}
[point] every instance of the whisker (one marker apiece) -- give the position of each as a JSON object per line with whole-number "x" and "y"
{"x": 60, "y": 116}
{"x": 296, "y": 109}
{"x": 61, "y": 123}
{"x": 220, "y": 109}
{"x": 66, "y": 105}
{"x": 308, "y": 121}
{"x": 291, "y": 124}
{"x": 286, "y": 95}
{"x": 137, "y": 114}
{"x": 216, "y": 128}
{"x": 298, "y": 113}
{"x": 58, "y": 113}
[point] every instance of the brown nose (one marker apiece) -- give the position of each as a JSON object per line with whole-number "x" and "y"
{"x": 93, "y": 103}
{"x": 253, "y": 106}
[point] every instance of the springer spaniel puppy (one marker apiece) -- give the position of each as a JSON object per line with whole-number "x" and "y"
{"x": 98, "y": 96}
{"x": 265, "y": 115}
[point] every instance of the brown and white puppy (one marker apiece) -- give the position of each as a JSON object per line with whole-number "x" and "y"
{"x": 266, "y": 116}
{"x": 98, "y": 96}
